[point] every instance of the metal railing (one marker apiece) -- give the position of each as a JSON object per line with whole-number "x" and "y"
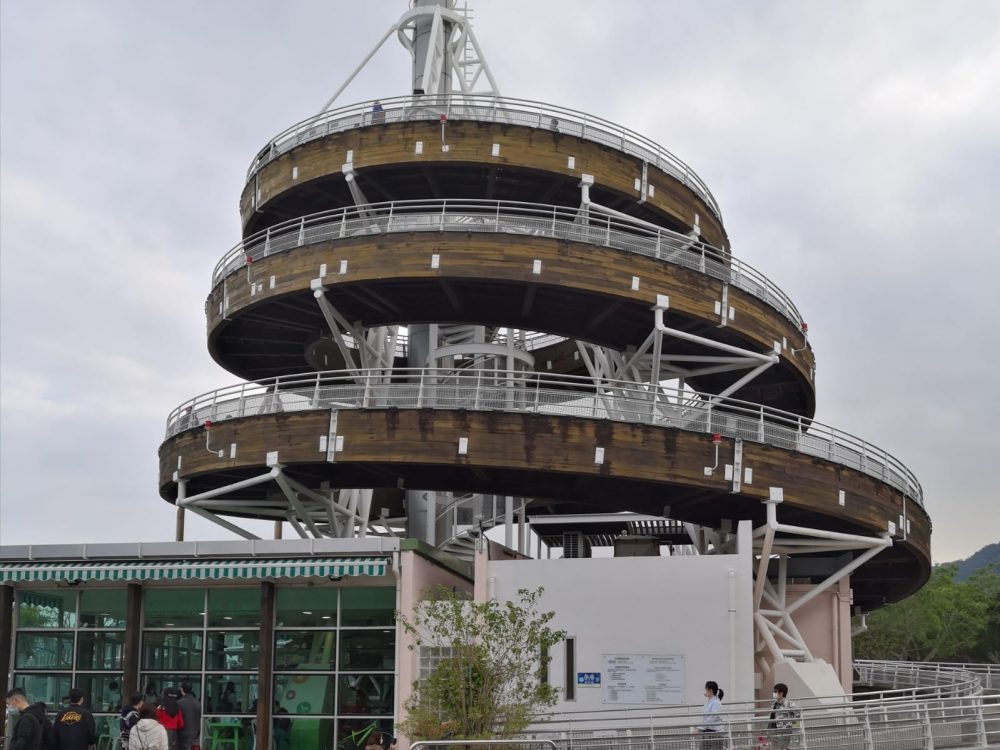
{"x": 507, "y": 217}
{"x": 504, "y": 110}
{"x": 509, "y": 744}
{"x": 516, "y": 391}
{"x": 941, "y": 705}
{"x": 922, "y": 674}
{"x": 971, "y": 722}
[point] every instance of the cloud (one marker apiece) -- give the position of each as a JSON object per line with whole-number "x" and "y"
{"x": 854, "y": 148}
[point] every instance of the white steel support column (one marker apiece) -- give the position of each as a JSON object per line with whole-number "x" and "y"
{"x": 777, "y": 635}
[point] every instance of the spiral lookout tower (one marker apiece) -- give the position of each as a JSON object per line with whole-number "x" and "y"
{"x": 454, "y": 308}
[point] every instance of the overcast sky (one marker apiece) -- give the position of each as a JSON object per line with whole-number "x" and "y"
{"x": 854, "y": 148}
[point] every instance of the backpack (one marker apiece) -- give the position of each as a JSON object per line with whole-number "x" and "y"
{"x": 168, "y": 701}
{"x": 126, "y": 723}
{"x": 47, "y": 739}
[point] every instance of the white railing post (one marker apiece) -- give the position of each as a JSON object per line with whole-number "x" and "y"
{"x": 239, "y": 406}
{"x": 267, "y": 242}
{"x": 420, "y": 391}
{"x": 869, "y": 738}
{"x": 316, "y": 392}
{"x": 479, "y": 386}
{"x": 981, "y": 738}
{"x": 302, "y": 232}
{"x": 366, "y": 398}
{"x": 761, "y": 427}
{"x": 927, "y": 728}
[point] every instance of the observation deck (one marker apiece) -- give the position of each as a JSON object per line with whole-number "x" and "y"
{"x": 574, "y": 445}
{"x": 456, "y": 292}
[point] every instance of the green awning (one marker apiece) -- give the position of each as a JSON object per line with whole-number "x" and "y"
{"x": 192, "y": 570}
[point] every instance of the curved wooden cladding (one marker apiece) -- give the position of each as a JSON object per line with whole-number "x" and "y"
{"x": 644, "y": 468}
{"x": 472, "y": 142}
{"x": 510, "y": 258}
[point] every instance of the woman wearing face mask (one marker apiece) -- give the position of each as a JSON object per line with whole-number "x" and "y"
{"x": 711, "y": 730}
{"x": 783, "y": 717}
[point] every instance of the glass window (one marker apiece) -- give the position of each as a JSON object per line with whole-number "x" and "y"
{"x": 102, "y": 608}
{"x": 292, "y": 733}
{"x": 47, "y": 609}
{"x": 44, "y": 651}
{"x": 365, "y": 694}
{"x": 153, "y": 684}
{"x": 305, "y": 693}
{"x": 101, "y": 692}
{"x": 180, "y": 651}
{"x": 367, "y": 649}
{"x": 100, "y": 651}
{"x": 228, "y": 732}
{"x": 307, "y": 607}
{"x": 49, "y": 688}
{"x": 231, "y": 693}
{"x": 368, "y": 606}
{"x": 305, "y": 649}
{"x": 174, "y": 608}
{"x": 232, "y": 650}
{"x": 354, "y": 732}
{"x": 230, "y": 608}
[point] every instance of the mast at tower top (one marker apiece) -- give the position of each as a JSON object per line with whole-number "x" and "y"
{"x": 447, "y": 59}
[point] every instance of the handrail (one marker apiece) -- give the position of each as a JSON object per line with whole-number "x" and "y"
{"x": 506, "y": 110}
{"x": 928, "y": 684}
{"x": 507, "y": 217}
{"x": 570, "y": 395}
{"x": 951, "y": 699}
{"x": 481, "y": 743}
{"x": 956, "y": 722}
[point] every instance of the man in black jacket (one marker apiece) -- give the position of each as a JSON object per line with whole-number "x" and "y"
{"x": 190, "y": 734}
{"x": 75, "y": 728}
{"x": 29, "y": 733}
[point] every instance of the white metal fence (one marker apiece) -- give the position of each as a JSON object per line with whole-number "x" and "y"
{"x": 478, "y": 108}
{"x": 507, "y": 217}
{"x": 501, "y": 390}
{"x": 939, "y": 706}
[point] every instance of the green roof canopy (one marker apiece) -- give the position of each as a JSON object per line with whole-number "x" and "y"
{"x": 192, "y": 570}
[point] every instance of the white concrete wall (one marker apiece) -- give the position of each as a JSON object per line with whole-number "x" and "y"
{"x": 645, "y": 605}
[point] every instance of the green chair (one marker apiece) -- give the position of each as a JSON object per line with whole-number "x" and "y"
{"x": 224, "y": 734}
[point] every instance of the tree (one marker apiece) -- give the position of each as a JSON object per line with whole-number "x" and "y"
{"x": 487, "y": 664}
{"x": 944, "y": 621}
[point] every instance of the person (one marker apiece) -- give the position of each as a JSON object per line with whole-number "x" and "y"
{"x": 148, "y": 734}
{"x": 711, "y": 728}
{"x": 31, "y": 731}
{"x": 783, "y": 717}
{"x": 227, "y": 701}
{"x": 190, "y": 733}
{"x": 75, "y": 728}
{"x": 378, "y": 113}
{"x": 282, "y": 728}
{"x": 130, "y": 717}
{"x": 168, "y": 713}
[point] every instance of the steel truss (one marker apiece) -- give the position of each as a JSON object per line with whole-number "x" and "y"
{"x": 453, "y": 53}
{"x": 649, "y": 363}
{"x": 777, "y": 638}
{"x": 312, "y": 513}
